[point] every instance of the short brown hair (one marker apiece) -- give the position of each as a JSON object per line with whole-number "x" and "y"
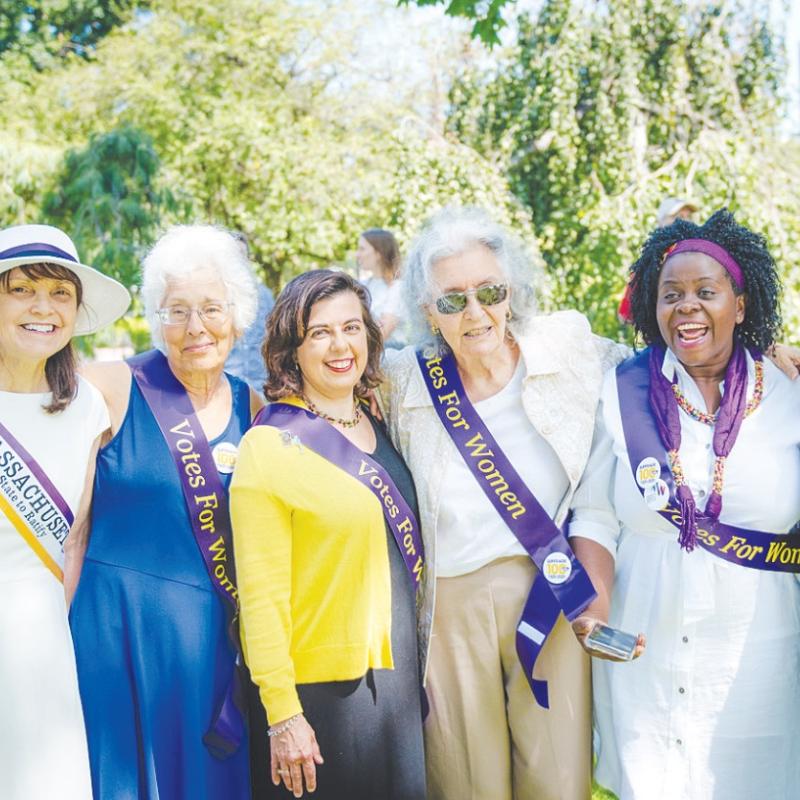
{"x": 60, "y": 368}
{"x": 288, "y": 322}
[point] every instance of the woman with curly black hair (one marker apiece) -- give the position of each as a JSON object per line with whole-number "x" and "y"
{"x": 762, "y": 323}
{"x": 681, "y": 521}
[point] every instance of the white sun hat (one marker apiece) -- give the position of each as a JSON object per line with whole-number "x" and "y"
{"x": 104, "y": 299}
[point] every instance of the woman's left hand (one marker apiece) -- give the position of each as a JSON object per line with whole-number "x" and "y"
{"x": 294, "y": 755}
{"x": 786, "y": 358}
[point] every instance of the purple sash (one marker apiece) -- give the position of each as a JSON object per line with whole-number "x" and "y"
{"x": 326, "y": 441}
{"x": 566, "y": 587}
{"x": 207, "y": 505}
{"x": 32, "y": 503}
{"x": 755, "y": 549}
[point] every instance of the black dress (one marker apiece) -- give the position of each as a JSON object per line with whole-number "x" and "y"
{"x": 369, "y": 730}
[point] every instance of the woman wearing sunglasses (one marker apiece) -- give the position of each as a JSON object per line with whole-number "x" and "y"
{"x": 493, "y": 411}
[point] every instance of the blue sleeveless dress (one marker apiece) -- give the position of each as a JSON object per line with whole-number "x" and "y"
{"x": 151, "y": 645}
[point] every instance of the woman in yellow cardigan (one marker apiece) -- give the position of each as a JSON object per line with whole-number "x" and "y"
{"x": 328, "y": 556}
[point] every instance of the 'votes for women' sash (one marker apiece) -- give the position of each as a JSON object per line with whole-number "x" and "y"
{"x": 754, "y": 549}
{"x": 207, "y": 504}
{"x": 32, "y": 503}
{"x": 566, "y": 587}
{"x": 326, "y": 441}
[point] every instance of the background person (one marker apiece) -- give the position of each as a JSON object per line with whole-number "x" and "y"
{"x": 697, "y": 716}
{"x": 54, "y": 418}
{"x": 672, "y": 208}
{"x": 534, "y": 382}
{"x": 328, "y": 610}
{"x": 245, "y": 360}
{"x": 151, "y": 628}
{"x": 378, "y": 259}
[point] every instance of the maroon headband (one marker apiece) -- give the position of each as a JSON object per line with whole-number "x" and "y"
{"x": 717, "y": 252}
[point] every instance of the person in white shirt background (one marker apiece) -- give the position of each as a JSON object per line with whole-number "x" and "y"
{"x": 378, "y": 260}
{"x": 244, "y": 360}
{"x": 712, "y": 708}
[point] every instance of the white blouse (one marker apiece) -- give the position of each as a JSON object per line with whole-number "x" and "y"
{"x": 470, "y": 532}
{"x": 712, "y": 707}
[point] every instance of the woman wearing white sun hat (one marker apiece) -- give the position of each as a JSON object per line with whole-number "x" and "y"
{"x": 50, "y": 423}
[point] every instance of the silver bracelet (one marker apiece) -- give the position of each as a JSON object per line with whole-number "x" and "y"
{"x": 277, "y": 730}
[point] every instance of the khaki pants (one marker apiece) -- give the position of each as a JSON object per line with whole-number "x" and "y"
{"x": 485, "y": 737}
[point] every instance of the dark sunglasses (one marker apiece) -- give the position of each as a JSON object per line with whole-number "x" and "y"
{"x": 455, "y": 302}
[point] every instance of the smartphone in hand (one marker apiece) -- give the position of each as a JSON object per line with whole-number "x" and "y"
{"x": 608, "y": 641}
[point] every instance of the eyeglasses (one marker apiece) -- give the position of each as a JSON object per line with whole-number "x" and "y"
{"x": 455, "y": 302}
{"x": 210, "y": 313}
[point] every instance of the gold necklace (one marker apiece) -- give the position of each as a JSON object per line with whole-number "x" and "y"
{"x": 345, "y": 423}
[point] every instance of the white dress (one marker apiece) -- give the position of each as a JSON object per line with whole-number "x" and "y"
{"x": 43, "y": 753}
{"x": 712, "y": 707}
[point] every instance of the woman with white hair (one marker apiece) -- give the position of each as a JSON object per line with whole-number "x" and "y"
{"x": 493, "y": 410}
{"x": 153, "y": 615}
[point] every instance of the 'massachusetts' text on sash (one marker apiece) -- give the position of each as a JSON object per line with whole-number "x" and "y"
{"x": 32, "y": 503}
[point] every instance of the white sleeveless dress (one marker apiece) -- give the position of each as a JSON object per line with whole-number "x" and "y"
{"x": 43, "y": 751}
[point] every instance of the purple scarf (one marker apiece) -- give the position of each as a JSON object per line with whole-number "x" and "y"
{"x": 666, "y": 411}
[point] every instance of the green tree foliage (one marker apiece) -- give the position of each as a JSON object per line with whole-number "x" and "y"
{"x": 240, "y": 102}
{"x": 601, "y": 110}
{"x": 488, "y": 14}
{"x": 107, "y": 196}
{"x": 42, "y": 30}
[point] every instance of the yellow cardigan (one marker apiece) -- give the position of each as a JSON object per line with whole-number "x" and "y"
{"x": 312, "y": 568}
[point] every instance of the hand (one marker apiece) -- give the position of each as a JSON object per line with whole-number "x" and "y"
{"x": 294, "y": 755}
{"x": 785, "y": 358}
{"x": 582, "y": 627}
{"x": 374, "y": 408}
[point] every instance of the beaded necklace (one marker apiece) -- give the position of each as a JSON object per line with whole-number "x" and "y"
{"x": 718, "y": 480}
{"x": 345, "y": 423}
{"x": 711, "y": 419}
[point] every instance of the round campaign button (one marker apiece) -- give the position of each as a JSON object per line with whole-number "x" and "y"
{"x": 225, "y": 457}
{"x": 556, "y": 568}
{"x": 656, "y": 495}
{"x": 648, "y": 471}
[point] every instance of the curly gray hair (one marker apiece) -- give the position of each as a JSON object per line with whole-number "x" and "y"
{"x": 186, "y": 249}
{"x": 450, "y": 232}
